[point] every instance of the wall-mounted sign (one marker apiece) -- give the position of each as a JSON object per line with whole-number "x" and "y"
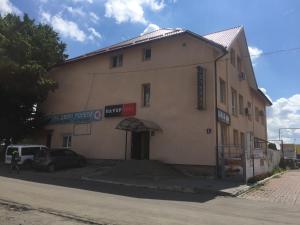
{"x": 75, "y": 117}
{"x": 223, "y": 117}
{"x": 120, "y": 110}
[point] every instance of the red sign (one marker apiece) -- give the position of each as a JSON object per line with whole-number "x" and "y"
{"x": 129, "y": 109}
{"x": 120, "y": 110}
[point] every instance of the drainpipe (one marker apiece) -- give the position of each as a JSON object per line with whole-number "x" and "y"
{"x": 216, "y": 106}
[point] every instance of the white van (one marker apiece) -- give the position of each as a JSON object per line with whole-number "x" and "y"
{"x": 26, "y": 153}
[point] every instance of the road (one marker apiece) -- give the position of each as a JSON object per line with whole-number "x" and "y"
{"x": 108, "y": 205}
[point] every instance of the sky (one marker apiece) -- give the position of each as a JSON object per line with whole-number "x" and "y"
{"x": 271, "y": 26}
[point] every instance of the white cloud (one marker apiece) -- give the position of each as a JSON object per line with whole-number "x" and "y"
{"x": 255, "y": 53}
{"x": 94, "y": 17}
{"x": 75, "y": 11}
{"x": 94, "y": 34}
{"x": 83, "y": 1}
{"x": 7, "y": 7}
{"x": 66, "y": 28}
{"x": 131, "y": 10}
{"x": 151, "y": 27}
{"x": 284, "y": 113}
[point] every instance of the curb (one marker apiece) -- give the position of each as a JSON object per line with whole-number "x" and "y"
{"x": 258, "y": 183}
{"x": 175, "y": 188}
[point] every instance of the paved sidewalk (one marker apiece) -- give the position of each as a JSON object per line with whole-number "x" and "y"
{"x": 187, "y": 185}
{"x": 281, "y": 189}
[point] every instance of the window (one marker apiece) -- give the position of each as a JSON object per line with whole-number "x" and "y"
{"x": 241, "y": 105}
{"x": 232, "y": 57}
{"x": 10, "y": 150}
{"x": 222, "y": 91}
{"x": 235, "y": 137}
{"x": 224, "y": 134}
{"x": 116, "y": 61}
{"x": 30, "y": 150}
{"x": 67, "y": 141}
{"x": 146, "y": 54}
{"x": 239, "y": 64}
{"x": 257, "y": 143}
{"x": 256, "y": 114}
{"x": 249, "y": 110}
{"x": 201, "y": 88}
{"x": 146, "y": 94}
{"x": 234, "y": 102}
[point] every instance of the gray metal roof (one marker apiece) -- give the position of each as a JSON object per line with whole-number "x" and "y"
{"x": 221, "y": 39}
{"x": 154, "y": 35}
{"x": 225, "y": 37}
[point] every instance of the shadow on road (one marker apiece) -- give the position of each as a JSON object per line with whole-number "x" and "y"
{"x": 71, "y": 178}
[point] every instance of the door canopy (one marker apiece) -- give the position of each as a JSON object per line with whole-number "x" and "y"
{"x": 137, "y": 125}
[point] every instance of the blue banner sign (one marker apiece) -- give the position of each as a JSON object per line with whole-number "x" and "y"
{"x": 76, "y": 117}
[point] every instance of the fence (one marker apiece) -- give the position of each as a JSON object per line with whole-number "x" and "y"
{"x": 241, "y": 164}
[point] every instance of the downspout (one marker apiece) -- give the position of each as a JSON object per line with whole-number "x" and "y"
{"x": 216, "y": 111}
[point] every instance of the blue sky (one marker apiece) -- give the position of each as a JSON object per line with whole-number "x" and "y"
{"x": 270, "y": 25}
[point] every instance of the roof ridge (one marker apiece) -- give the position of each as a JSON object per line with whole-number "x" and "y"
{"x": 140, "y": 36}
{"x": 240, "y": 26}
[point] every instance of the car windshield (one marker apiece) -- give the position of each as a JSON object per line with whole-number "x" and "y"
{"x": 10, "y": 150}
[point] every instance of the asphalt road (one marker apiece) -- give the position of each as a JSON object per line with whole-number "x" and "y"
{"x": 103, "y": 204}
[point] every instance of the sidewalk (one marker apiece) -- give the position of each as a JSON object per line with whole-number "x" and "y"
{"x": 188, "y": 184}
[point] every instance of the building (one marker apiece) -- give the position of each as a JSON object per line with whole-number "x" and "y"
{"x": 173, "y": 95}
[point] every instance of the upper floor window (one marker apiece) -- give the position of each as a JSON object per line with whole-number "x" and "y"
{"x": 241, "y": 105}
{"x": 222, "y": 91}
{"x": 232, "y": 56}
{"x": 234, "y": 102}
{"x": 146, "y": 95}
{"x": 235, "y": 137}
{"x": 239, "y": 64}
{"x": 249, "y": 110}
{"x": 146, "y": 54}
{"x": 117, "y": 61}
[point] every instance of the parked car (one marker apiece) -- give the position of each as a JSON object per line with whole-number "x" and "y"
{"x": 26, "y": 153}
{"x": 53, "y": 159}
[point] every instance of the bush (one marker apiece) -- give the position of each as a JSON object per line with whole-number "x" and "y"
{"x": 277, "y": 170}
{"x": 257, "y": 178}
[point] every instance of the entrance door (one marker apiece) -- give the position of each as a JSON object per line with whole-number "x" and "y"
{"x": 140, "y": 145}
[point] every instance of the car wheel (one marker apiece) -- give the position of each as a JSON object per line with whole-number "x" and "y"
{"x": 51, "y": 168}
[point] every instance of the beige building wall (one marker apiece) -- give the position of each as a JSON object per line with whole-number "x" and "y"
{"x": 246, "y": 88}
{"x": 91, "y": 84}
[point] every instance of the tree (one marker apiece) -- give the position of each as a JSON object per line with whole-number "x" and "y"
{"x": 27, "y": 51}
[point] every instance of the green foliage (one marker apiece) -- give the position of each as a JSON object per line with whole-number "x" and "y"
{"x": 272, "y": 146}
{"x": 27, "y": 51}
{"x": 257, "y": 178}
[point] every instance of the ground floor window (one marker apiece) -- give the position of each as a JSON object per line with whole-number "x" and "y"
{"x": 67, "y": 141}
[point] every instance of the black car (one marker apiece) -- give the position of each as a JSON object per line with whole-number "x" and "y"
{"x": 54, "y": 159}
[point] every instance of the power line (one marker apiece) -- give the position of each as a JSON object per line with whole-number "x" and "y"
{"x": 195, "y": 64}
